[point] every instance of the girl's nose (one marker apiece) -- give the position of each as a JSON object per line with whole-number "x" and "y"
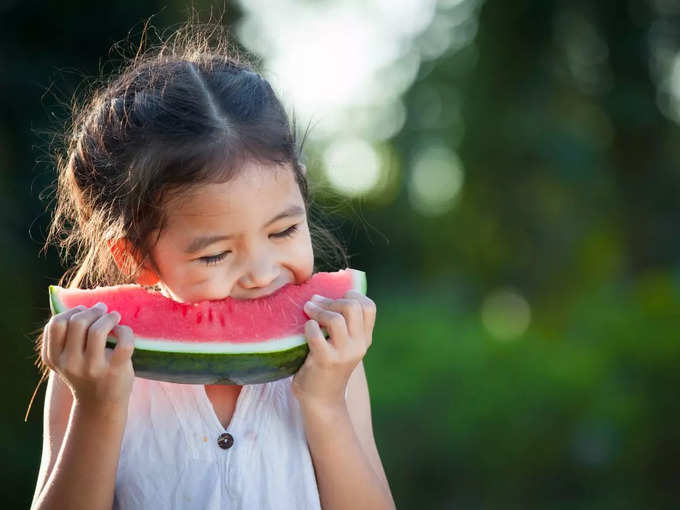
{"x": 260, "y": 274}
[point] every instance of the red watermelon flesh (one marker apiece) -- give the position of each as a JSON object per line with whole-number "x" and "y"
{"x": 154, "y": 316}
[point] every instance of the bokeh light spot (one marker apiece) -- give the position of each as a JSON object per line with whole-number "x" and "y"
{"x": 436, "y": 179}
{"x": 352, "y": 166}
{"x": 506, "y": 314}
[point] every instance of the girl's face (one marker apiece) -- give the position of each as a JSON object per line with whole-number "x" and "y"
{"x": 245, "y": 238}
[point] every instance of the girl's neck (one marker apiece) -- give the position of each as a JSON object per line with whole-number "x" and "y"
{"x": 223, "y": 389}
{"x": 223, "y": 400}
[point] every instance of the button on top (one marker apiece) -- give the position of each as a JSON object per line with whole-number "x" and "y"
{"x": 225, "y": 441}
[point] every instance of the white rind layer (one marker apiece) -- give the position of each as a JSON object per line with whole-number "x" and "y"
{"x": 359, "y": 281}
{"x": 272, "y": 345}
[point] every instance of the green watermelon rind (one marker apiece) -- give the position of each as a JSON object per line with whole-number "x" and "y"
{"x": 197, "y": 368}
{"x": 214, "y": 367}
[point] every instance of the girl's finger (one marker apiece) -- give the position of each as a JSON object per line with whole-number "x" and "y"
{"x": 350, "y": 309}
{"x": 54, "y": 338}
{"x": 125, "y": 346}
{"x": 318, "y": 345}
{"x": 368, "y": 308}
{"x": 97, "y": 334}
{"x": 333, "y": 322}
{"x": 78, "y": 325}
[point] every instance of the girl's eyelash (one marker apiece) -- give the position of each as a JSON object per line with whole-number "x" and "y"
{"x": 214, "y": 259}
{"x": 287, "y": 233}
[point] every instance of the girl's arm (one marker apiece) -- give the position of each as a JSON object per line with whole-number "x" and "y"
{"x": 58, "y": 401}
{"x": 81, "y": 447}
{"x": 346, "y": 461}
{"x": 359, "y": 407}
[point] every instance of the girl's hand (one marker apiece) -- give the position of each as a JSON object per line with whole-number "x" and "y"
{"x": 349, "y": 322}
{"x": 74, "y": 346}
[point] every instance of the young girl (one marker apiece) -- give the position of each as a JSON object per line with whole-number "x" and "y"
{"x": 182, "y": 173}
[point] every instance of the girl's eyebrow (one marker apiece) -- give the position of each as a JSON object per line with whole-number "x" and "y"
{"x": 199, "y": 243}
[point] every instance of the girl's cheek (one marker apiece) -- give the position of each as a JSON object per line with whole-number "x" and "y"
{"x": 218, "y": 284}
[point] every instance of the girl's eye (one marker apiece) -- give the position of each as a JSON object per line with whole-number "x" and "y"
{"x": 286, "y": 233}
{"x": 214, "y": 259}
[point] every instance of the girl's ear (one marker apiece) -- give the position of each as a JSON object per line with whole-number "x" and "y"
{"x": 304, "y": 169}
{"x": 127, "y": 261}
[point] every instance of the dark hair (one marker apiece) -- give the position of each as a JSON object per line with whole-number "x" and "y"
{"x": 188, "y": 111}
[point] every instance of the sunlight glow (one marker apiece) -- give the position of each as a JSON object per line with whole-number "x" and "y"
{"x": 344, "y": 66}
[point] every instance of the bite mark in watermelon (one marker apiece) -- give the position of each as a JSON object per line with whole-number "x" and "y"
{"x": 228, "y": 341}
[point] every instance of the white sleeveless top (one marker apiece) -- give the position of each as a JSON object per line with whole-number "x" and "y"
{"x": 170, "y": 457}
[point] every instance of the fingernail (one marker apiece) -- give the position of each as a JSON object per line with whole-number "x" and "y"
{"x": 101, "y": 306}
{"x": 309, "y": 305}
{"x": 317, "y": 298}
{"x": 117, "y": 314}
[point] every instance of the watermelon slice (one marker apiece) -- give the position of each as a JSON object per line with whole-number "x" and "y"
{"x": 228, "y": 341}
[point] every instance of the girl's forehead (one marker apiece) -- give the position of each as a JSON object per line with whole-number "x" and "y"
{"x": 250, "y": 196}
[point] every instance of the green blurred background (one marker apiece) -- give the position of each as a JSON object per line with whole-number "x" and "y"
{"x": 520, "y": 241}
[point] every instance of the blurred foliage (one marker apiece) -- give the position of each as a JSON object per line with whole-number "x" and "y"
{"x": 570, "y": 197}
{"x": 577, "y": 414}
